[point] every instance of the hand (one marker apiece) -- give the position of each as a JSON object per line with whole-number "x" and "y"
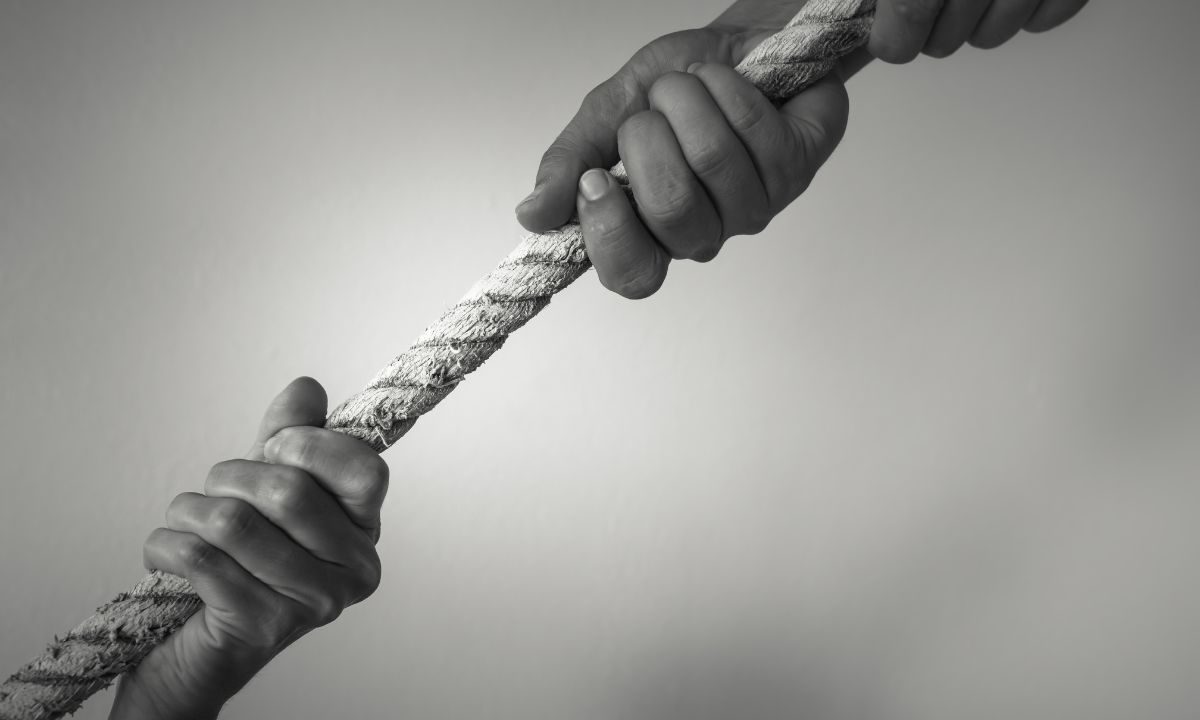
{"x": 279, "y": 543}
{"x": 708, "y": 157}
{"x": 905, "y": 28}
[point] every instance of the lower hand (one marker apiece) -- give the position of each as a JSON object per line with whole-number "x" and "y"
{"x": 279, "y": 544}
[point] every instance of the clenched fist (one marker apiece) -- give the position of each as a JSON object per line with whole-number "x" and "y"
{"x": 279, "y": 543}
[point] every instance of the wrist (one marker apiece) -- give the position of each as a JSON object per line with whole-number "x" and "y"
{"x": 165, "y": 688}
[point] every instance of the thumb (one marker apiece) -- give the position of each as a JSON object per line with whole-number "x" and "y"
{"x": 302, "y": 402}
{"x": 589, "y": 141}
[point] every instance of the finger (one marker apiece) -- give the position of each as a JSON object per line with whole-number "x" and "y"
{"x": 628, "y": 260}
{"x": 344, "y": 466}
{"x": 786, "y": 145}
{"x": 713, "y": 152}
{"x": 295, "y": 503}
{"x": 302, "y": 402}
{"x": 230, "y": 593}
{"x": 1052, "y": 13}
{"x": 901, "y": 28}
{"x": 237, "y": 529}
{"x": 219, "y": 581}
{"x": 1002, "y": 21}
{"x": 670, "y": 200}
{"x": 588, "y": 141}
{"x": 954, "y": 27}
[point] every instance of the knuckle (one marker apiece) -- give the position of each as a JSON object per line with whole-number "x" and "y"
{"x": 303, "y": 445}
{"x": 230, "y": 519}
{"x": 639, "y": 124}
{"x": 220, "y": 471}
{"x": 367, "y": 477}
{"x": 607, "y": 229}
{"x": 561, "y": 150}
{"x": 612, "y": 229}
{"x": 666, "y": 90}
{"x": 323, "y": 609}
{"x": 668, "y": 206}
{"x": 615, "y": 92}
{"x": 745, "y": 116}
{"x": 175, "y": 508}
{"x": 194, "y": 554}
{"x": 710, "y": 159}
{"x": 286, "y": 489}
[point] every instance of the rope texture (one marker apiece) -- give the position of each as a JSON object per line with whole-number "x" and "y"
{"x": 124, "y": 631}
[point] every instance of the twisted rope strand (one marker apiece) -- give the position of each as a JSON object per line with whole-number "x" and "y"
{"x": 124, "y": 631}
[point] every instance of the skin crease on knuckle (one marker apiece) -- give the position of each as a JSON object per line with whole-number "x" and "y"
{"x": 671, "y": 89}
{"x": 669, "y": 204}
{"x": 629, "y": 283}
{"x": 300, "y": 443}
{"x": 717, "y": 159}
{"x": 746, "y": 117}
{"x": 286, "y": 489}
{"x": 323, "y": 609}
{"x": 231, "y": 519}
{"x": 670, "y": 96}
{"x": 195, "y": 555}
{"x": 633, "y": 281}
{"x": 364, "y": 481}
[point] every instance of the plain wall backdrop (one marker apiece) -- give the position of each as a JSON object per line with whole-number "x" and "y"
{"x": 926, "y": 449}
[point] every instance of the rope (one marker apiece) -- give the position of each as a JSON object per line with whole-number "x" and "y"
{"x": 124, "y": 631}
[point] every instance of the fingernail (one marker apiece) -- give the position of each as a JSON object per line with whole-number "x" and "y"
{"x": 593, "y": 185}
{"x": 270, "y": 447}
{"x": 693, "y": 66}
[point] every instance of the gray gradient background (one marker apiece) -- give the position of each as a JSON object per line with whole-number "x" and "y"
{"x": 926, "y": 449}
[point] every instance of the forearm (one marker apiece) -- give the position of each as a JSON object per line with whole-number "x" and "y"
{"x": 135, "y": 702}
{"x": 144, "y": 698}
{"x": 164, "y": 688}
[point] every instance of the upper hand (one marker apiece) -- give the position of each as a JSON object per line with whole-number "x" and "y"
{"x": 904, "y": 29}
{"x": 708, "y": 157}
{"x": 279, "y": 543}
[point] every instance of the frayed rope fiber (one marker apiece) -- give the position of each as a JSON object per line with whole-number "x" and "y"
{"x": 124, "y": 631}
